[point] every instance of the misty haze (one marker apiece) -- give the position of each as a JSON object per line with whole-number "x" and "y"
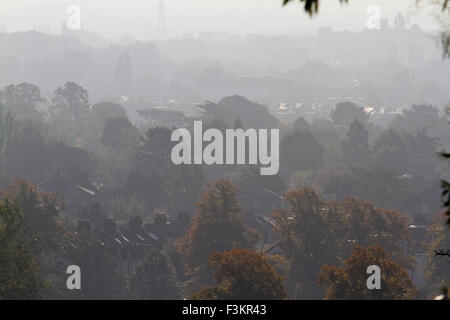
{"x": 224, "y": 150}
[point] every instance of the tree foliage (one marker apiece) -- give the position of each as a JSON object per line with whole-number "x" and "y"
{"x": 242, "y": 275}
{"x": 346, "y": 112}
{"x": 22, "y": 100}
{"x": 217, "y": 226}
{"x": 404, "y": 153}
{"x": 41, "y": 211}
{"x": 375, "y": 184}
{"x": 72, "y": 102}
{"x": 20, "y": 274}
{"x": 314, "y": 232}
{"x": 250, "y": 114}
{"x": 355, "y": 149}
{"x": 446, "y": 191}
{"x": 155, "y": 149}
{"x": 310, "y": 6}
{"x": 349, "y": 282}
{"x": 368, "y": 225}
{"x": 308, "y": 232}
{"x": 119, "y": 133}
{"x": 301, "y": 151}
{"x": 155, "y": 279}
{"x": 437, "y": 268}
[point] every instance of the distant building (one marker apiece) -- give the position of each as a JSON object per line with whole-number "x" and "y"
{"x": 128, "y": 243}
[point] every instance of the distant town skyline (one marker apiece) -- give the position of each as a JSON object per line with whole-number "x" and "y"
{"x": 140, "y": 19}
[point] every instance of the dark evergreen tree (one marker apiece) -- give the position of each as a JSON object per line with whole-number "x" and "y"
{"x": 355, "y": 149}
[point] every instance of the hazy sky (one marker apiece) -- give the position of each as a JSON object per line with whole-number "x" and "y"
{"x": 113, "y": 18}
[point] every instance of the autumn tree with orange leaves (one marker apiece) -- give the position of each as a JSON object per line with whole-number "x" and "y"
{"x": 309, "y": 232}
{"x": 243, "y": 275}
{"x": 349, "y": 282}
{"x": 217, "y": 226}
{"x": 368, "y": 225}
{"x": 314, "y": 232}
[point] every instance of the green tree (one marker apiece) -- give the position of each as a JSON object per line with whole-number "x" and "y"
{"x": 119, "y": 134}
{"x": 437, "y": 270}
{"x": 155, "y": 150}
{"x": 346, "y": 112}
{"x": 2, "y": 126}
{"x": 301, "y": 151}
{"x": 72, "y": 102}
{"x": 446, "y": 192}
{"x": 390, "y": 151}
{"x": 309, "y": 232}
{"x": 22, "y": 100}
{"x": 251, "y": 114}
{"x": 182, "y": 183}
{"x": 155, "y": 279}
{"x": 426, "y": 118}
{"x": 423, "y": 149}
{"x": 183, "y": 186}
{"x": 217, "y": 226}
{"x": 375, "y": 184}
{"x": 6, "y": 131}
{"x": 26, "y": 154}
{"x": 355, "y": 149}
{"x": 104, "y": 110}
{"x": 20, "y": 275}
{"x": 123, "y": 76}
{"x": 406, "y": 153}
{"x": 302, "y": 124}
{"x": 41, "y": 210}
